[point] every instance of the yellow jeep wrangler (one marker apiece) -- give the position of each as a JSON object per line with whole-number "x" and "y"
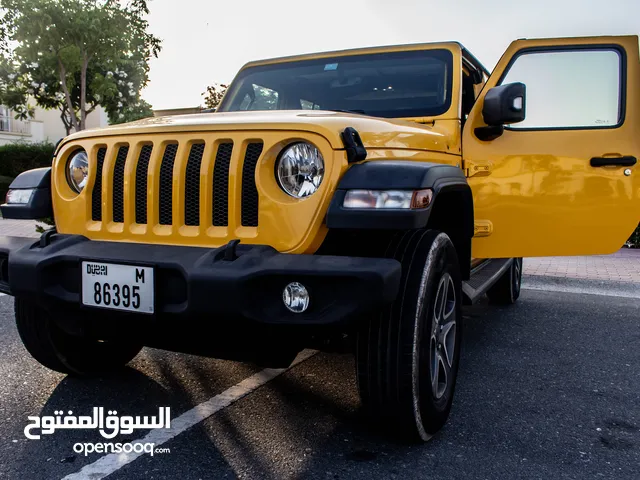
{"x": 343, "y": 201}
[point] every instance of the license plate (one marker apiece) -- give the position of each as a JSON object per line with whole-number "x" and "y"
{"x": 117, "y": 287}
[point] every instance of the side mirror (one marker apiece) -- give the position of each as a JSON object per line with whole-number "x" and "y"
{"x": 504, "y": 104}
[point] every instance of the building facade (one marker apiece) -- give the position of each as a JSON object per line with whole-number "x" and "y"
{"x": 45, "y": 126}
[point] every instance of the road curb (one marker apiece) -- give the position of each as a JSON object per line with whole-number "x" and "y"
{"x": 609, "y": 288}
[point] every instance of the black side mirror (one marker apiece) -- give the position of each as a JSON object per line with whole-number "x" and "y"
{"x": 504, "y": 104}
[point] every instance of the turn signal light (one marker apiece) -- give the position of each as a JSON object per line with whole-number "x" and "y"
{"x": 422, "y": 198}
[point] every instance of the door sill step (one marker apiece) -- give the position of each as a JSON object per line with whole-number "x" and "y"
{"x": 483, "y": 277}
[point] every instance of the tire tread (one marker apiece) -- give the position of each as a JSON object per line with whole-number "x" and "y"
{"x": 384, "y": 347}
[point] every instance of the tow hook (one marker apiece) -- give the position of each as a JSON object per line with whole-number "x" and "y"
{"x": 230, "y": 251}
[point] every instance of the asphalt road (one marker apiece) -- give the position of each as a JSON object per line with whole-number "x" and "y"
{"x": 548, "y": 388}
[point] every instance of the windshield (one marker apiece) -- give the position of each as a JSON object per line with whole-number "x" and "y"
{"x": 392, "y": 85}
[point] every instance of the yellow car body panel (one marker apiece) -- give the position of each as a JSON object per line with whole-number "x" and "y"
{"x": 376, "y": 132}
{"x": 541, "y": 196}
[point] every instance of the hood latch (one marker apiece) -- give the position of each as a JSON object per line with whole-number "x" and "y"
{"x": 353, "y": 145}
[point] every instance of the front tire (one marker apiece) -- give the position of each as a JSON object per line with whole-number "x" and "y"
{"x": 57, "y": 350}
{"x": 407, "y": 357}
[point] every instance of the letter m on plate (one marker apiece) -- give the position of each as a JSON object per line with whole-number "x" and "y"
{"x": 139, "y": 275}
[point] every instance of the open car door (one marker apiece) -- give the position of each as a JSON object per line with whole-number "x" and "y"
{"x": 551, "y": 152}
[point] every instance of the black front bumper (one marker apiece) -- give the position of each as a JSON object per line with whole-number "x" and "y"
{"x": 202, "y": 284}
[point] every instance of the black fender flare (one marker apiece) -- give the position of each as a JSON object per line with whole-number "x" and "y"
{"x": 399, "y": 175}
{"x": 40, "y": 204}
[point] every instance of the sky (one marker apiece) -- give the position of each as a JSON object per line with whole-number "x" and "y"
{"x": 208, "y": 41}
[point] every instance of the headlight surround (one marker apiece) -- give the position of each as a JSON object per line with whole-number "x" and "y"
{"x": 300, "y": 169}
{"x": 78, "y": 170}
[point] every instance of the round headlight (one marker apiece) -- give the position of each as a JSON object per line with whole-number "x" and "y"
{"x": 300, "y": 169}
{"x": 78, "y": 170}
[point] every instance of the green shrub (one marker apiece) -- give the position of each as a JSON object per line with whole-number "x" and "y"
{"x": 4, "y": 186}
{"x": 634, "y": 239}
{"x": 16, "y": 158}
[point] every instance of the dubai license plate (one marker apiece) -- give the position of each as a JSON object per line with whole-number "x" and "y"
{"x": 117, "y": 287}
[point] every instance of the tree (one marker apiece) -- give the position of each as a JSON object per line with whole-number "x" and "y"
{"x": 74, "y": 55}
{"x": 12, "y": 91}
{"x": 133, "y": 112}
{"x": 634, "y": 239}
{"x": 214, "y": 94}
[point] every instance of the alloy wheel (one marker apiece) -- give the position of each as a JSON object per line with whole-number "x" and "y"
{"x": 443, "y": 336}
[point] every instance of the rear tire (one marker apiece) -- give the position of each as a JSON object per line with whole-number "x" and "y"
{"x": 407, "y": 357}
{"x": 65, "y": 353}
{"x": 507, "y": 289}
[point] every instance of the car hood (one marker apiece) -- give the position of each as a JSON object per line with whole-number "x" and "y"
{"x": 374, "y": 132}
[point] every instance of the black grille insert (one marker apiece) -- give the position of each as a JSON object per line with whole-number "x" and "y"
{"x": 249, "y": 191}
{"x": 166, "y": 184}
{"x": 118, "y": 184}
{"x": 96, "y": 196}
{"x": 221, "y": 185}
{"x": 141, "y": 184}
{"x": 192, "y": 185}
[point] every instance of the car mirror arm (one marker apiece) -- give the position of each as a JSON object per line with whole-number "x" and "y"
{"x": 489, "y": 132}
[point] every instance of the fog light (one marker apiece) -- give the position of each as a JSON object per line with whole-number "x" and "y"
{"x": 296, "y": 297}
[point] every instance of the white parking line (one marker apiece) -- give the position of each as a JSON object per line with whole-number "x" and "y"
{"x": 108, "y": 464}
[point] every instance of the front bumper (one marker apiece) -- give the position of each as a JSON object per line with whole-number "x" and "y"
{"x": 202, "y": 284}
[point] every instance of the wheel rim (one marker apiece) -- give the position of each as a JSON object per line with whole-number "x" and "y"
{"x": 443, "y": 336}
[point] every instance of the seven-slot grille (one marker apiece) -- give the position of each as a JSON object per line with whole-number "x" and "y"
{"x": 190, "y": 183}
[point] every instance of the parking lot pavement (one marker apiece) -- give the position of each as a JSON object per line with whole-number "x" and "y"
{"x": 548, "y": 388}
{"x": 19, "y": 228}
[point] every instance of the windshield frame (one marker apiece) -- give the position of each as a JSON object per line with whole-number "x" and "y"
{"x": 441, "y": 51}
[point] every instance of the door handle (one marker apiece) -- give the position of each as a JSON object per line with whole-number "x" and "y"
{"x": 626, "y": 161}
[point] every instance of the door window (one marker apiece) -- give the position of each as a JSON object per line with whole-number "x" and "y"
{"x": 569, "y": 89}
